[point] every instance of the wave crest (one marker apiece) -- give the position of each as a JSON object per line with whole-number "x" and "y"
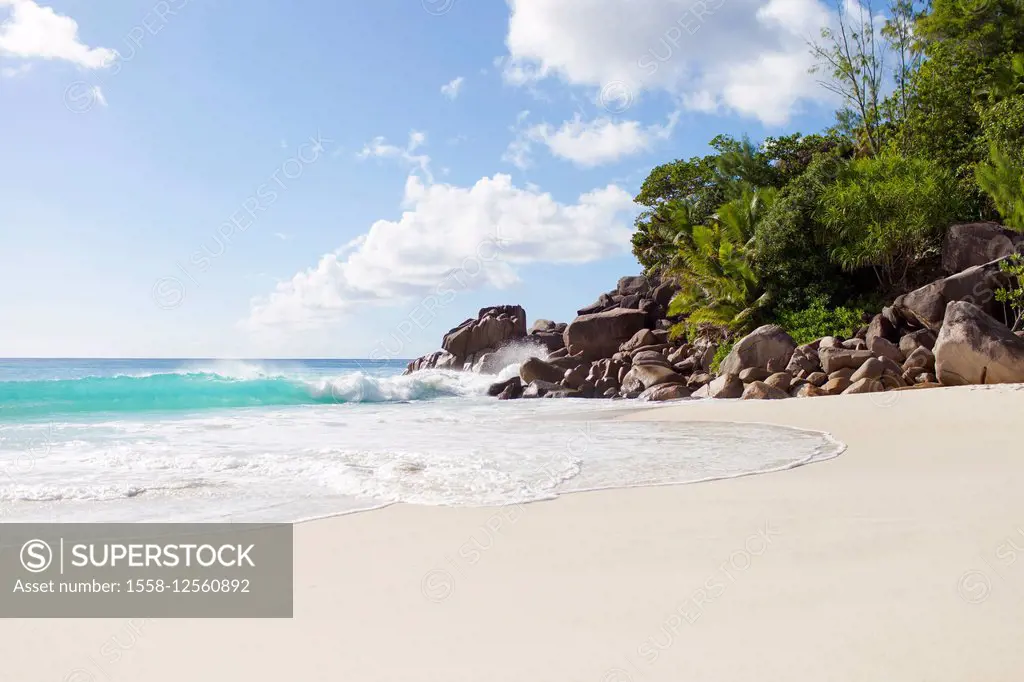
{"x": 190, "y": 391}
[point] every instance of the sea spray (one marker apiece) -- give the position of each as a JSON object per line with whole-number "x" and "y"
{"x": 508, "y": 358}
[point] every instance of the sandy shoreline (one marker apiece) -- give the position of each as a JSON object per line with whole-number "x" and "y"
{"x": 897, "y": 560}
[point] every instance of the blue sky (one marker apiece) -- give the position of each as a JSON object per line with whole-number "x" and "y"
{"x": 202, "y": 178}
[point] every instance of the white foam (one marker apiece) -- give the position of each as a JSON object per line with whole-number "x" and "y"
{"x": 288, "y": 464}
{"x": 358, "y": 387}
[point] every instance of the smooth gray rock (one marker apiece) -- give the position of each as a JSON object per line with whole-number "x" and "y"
{"x": 758, "y": 348}
{"x": 974, "y": 348}
{"x": 600, "y": 335}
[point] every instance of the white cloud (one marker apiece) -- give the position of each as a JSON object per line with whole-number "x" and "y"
{"x": 748, "y": 56}
{"x": 451, "y": 89}
{"x": 589, "y": 143}
{"x": 34, "y": 32}
{"x": 450, "y": 239}
{"x": 282, "y": 236}
{"x": 379, "y": 148}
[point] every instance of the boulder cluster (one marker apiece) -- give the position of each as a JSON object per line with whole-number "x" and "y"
{"x": 472, "y": 344}
{"x": 945, "y": 333}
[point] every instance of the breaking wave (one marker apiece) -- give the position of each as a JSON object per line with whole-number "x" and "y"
{"x": 203, "y": 390}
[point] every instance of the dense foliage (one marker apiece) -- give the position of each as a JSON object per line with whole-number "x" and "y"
{"x": 818, "y": 320}
{"x": 887, "y": 213}
{"x": 1003, "y": 180}
{"x": 804, "y": 229}
{"x": 718, "y": 285}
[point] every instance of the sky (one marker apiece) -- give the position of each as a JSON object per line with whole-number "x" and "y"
{"x": 204, "y": 178}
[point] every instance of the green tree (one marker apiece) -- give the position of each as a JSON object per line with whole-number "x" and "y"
{"x": 898, "y": 32}
{"x": 1002, "y": 126}
{"x": 689, "y": 192}
{"x": 1003, "y": 180}
{"x": 853, "y": 63}
{"x": 718, "y": 284}
{"x": 968, "y": 49}
{"x": 793, "y": 267}
{"x": 887, "y": 213}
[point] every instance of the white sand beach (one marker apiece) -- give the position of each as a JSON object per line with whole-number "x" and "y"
{"x": 898, "y": 560}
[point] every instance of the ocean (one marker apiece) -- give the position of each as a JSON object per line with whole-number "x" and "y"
{"x": 288, "y": 440}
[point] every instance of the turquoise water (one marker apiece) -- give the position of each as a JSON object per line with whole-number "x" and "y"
{"x": 282, "y": 440}
{"x": 34, "y": 389}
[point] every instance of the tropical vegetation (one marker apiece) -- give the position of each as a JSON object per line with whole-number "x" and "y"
{"x": 813, "y": 231}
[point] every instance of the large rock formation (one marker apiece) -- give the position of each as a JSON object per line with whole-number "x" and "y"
{"x": 973, "y": 348}
{"x": 599, "y": 335}
{"x": 645, "y": 376}
{"x": 640, "y": 292}
{"x": 926, "y": 307}
{"x": 766, "y": 344}
{"x": 535, "y": 368}
{"x": 464, "y": 345}
{"x": 548, "y": 334}
{"x": 978, "y": 243}
{"x": 620, "y": 347}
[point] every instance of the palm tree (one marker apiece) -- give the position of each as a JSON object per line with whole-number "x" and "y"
{"x": 718, "y": 285}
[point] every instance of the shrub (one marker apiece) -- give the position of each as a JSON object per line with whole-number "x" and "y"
{"x": 721, "y": 352}
{"x": 887, "y": 213}
{"x": 818, "y": 320}
{"x": 1013, "y": 296}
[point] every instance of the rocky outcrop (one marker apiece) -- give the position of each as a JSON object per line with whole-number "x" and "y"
{"x": 539, "y": 389}
{"x": 645, "y": 376}
{"x": 759, "y": 390}
{"x": 599, "y": 335}
{"x": 493, "y": 328}
{"x": 535, "y": 368}
{"x": 880, "y": 328}
{"x": 921, "y": 338}
{"x": 760, "y": 348}
{"x": 644, "y": 337}
{"x": 926, "y": 307}
{"x": 500, "y": 387}
{"x": 620, "y": 346}
{"x": 882, "y": 347}
{"x": 974, "y": 348}
{"x": 865, "y": 385}
{"x": 978, "y": 243}
{"x": 548, "y": 334}
{"x": 464, "y": 345}
{"x": 834, "y": 358}
{"x": 507, "y": 390}
{"x": 725, "y": 386}
{"x": 663, "y": 392}
{"x": 648, "y": 294}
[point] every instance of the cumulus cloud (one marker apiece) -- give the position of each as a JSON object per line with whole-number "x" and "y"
{"x": 589, "y": 143}
{"x": 450, "y": 239}
{"x": 452, "y": 88}
{"x": 748, "y": 56}
{"x": 34, "y": 32}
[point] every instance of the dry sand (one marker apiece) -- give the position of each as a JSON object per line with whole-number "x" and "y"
{"x": 896, "y": 561}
